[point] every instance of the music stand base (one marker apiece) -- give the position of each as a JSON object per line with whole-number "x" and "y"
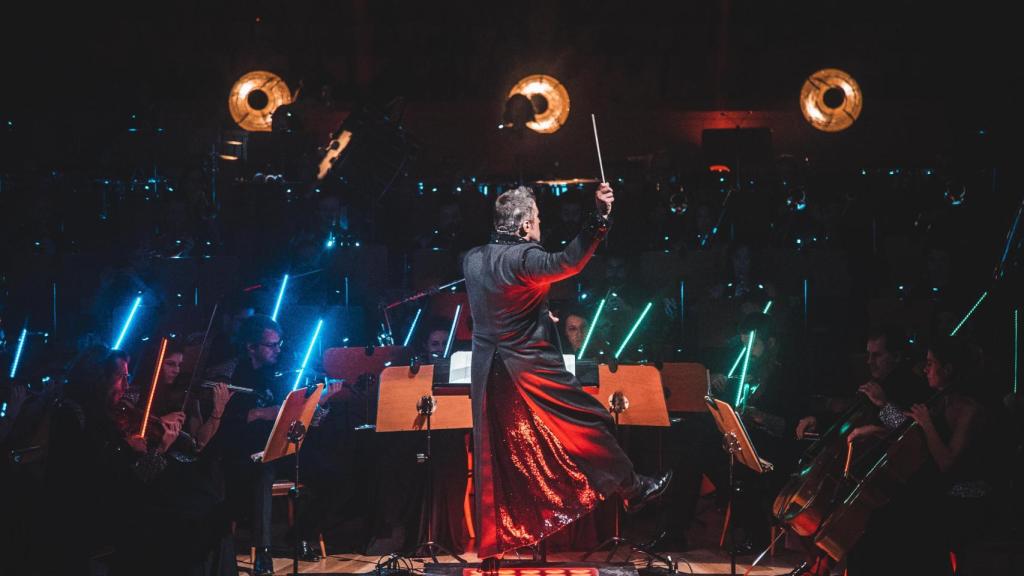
{"x": 432, "y": 548}
{"x": 615, "y": 542}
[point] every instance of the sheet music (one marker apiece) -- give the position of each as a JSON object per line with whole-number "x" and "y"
{"x": 461, "y": 364}
{"x": 459, "y": 367}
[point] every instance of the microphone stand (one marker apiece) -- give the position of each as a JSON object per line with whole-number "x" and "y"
{"x": 421, "y": 294}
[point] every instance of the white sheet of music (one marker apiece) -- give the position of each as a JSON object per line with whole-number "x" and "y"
{"x": 461, "y": 364}
{"x": 459, "y": 367}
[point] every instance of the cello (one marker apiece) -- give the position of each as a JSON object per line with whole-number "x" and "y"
{"x": 807, "y": 498}
{"x": 871, "y": 484}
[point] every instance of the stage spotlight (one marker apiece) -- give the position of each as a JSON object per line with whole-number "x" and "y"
{"x": 831, "y": 100}
{"x": 255, "y": 97}
{"x": 539, "y": 102}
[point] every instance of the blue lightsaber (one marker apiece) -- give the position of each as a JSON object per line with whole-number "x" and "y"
{"x": 280, "y": 297}
{"x": 451, "y": 333}
{"x": 412, "y": 327}
{"x": 17, "y": 352}
{"x": 969, "y": 314}
{"x": 128, "y": 323}
{"x": 633, "y": 329}
{"x": 309, "y": 352}
{"x": 593, "y": 326}
{"x": 741, "y": 394}
{"x": 743, "y": 351}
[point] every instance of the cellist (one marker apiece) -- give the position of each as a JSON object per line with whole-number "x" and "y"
{"x": 918, "y": 529}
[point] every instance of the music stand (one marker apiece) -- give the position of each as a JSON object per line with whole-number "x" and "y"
{"x": 286, "y": 438}
{"x": 360, "y": 368}
{"x": 736, "y": 442}
{"x": 406, "y": 403}
{"x": 635, "y": 398}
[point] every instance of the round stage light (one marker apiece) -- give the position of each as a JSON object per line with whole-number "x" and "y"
{"x": 550, "y": 102}
{"x": 255, "y": 97}
{"x": 831, "y": 100}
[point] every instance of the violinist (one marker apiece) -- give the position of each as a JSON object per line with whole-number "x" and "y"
{"x": 97, "y": 464}
{"x": 202, "y": 410}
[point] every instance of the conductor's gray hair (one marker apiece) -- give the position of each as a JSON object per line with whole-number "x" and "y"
{"x": 513, "y": 208}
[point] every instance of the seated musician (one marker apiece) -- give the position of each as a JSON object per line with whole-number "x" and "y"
{"x": 246, "y": 423}
{"x": 96, "y": 459}
{"x": 892, "y": 387}
{"x": 945, "y": 501}
{"x": 575, "y": 326}
{"x": 954, "y": 431}
{"x": 770, "y": 404}
{"x": 203, "y": 407}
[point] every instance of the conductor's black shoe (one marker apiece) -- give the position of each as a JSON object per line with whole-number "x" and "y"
{"x": 308, "y": 553}
{"x": 264, "y": 564}
{"x": 648, "y": 489}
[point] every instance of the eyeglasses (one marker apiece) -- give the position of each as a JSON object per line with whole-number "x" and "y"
{"x": 273, "y": 345}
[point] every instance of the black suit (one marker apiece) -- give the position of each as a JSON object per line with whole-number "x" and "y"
{"x": 543, "y": 449}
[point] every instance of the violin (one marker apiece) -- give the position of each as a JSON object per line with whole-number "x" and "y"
{"x": 128, "y": 418}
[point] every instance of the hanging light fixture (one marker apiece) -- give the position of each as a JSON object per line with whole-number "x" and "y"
{"x": 831, "y": 100}
{"x": 548, "y": 98}
{"x": 255, "y": 97}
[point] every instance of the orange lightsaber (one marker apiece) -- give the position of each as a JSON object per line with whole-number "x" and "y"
{"x": 152, "y": 389}
{"x": 849, "y": 456}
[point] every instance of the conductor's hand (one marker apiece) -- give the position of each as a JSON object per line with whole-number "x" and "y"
{"x": 603, "y": 198}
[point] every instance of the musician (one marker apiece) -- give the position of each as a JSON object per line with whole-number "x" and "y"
{"x": 955, "y": 431}
{"x": 431, "y": 346}
{"x": 944, "y": 504}
{"x": 96, "y": 461}
{"x": 200, "y": 409}
{"x": 774, "y": 391}
{"x": 529, "y": 413}
{"x": 245, "y": 426}
{"x": 892, "y": 387}
{"x": 575, "y": 330}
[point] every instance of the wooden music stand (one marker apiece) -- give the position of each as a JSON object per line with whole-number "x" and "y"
{"x": 641, "y": 387}
{"x": 298, "y": 407}
{"x": 401, "y": 389}
{"x": 350, "y": 363}
{"x": 686, "y": 386}
{"x": 407, "y": 403}
{"x": 736, "y": 442}
{"x": 735, "y": 433}
{"x": 286, "y": 438}
{"x": 635, "y": 397}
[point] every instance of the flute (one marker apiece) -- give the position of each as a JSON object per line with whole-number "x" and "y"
{"x": 232, "y": 387}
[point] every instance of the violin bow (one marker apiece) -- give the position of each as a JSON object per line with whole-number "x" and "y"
{"x": 200, "y": 358}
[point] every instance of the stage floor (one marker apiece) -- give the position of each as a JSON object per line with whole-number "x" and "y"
{"x": 690, "y": 562}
